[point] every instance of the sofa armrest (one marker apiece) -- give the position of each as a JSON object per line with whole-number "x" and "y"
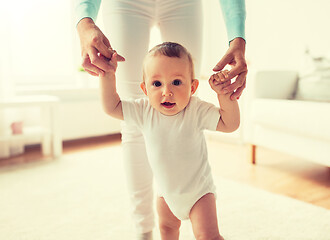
{"x": 275, "y": 84}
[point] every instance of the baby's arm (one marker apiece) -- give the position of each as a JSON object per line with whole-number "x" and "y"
{"x": 112, "y": 104}
{"x": 229, "y": 111}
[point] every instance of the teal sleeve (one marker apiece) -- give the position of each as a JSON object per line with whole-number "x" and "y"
{"x": 86, "y": 8}
{"x": 234, "y": 15}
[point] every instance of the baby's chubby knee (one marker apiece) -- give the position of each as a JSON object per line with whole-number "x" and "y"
{"x": 167, "y": 226}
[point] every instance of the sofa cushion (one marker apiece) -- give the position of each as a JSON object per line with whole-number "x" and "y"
{"x": 314, "y": 87}
{"x": 306, "y": 118}
{"x": 275, "y": 84}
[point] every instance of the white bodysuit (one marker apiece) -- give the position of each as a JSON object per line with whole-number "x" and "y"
{"x": 176, "y": 150}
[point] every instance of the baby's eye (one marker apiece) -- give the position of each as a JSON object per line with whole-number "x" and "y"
{"x": 157, "y": 83}
{"x": 177, "y": 82}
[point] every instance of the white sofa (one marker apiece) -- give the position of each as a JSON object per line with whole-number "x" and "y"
{"x": 275, "y": 119}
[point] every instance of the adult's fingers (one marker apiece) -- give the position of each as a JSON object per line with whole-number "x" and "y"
{"x": 102, "y": 45}
{"x": 120, "y": 58}
{"x": 237, "y": 94}
{"x": 98, "y": 61}
{"x": 239, "y": 68}
{"x": 239, "y": 82}
{"x": 226, "y": 59}
{"x": 106, "y": 50}
{"x": 92, "y": 73}
{"x": 89, "y": 67}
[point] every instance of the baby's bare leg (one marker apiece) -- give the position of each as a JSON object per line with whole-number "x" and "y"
{"x": 169, "y": 224}
{"x": 203, "y": 216}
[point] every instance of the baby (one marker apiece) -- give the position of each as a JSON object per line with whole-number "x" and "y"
{"x": 172, "y": 121}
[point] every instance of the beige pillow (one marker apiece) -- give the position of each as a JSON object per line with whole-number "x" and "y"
{"x": 314, "y": 87}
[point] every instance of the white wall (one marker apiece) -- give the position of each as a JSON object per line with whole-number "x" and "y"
{"x": 279, "y": 31}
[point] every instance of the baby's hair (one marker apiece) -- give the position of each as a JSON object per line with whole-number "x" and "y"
{"x": 171, "y": 49}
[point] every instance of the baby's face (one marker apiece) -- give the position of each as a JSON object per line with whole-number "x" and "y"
{"x": 168, "y": 83}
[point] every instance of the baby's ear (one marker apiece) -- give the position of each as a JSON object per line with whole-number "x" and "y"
{"x": 194, "y": 86}
{"x": 143, "y": 87}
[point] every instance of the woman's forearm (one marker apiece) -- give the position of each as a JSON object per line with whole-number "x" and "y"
{"x": 86, "y": 9}
{"x": 234, "y": 14}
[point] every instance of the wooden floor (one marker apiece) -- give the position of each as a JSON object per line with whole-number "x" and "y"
{"x": 274, "y": 172}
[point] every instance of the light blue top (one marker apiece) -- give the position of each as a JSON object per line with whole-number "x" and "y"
{"x": 233, "y": 11}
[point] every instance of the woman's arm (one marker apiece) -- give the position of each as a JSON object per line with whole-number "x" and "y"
{"x": 234, "y": 14}
{"x": 93, "y": 42}
{"x": 86, "y": 9}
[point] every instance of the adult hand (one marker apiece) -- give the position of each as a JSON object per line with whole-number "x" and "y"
{"x": 94, "y": 45}
{"x": 235, "y": 56}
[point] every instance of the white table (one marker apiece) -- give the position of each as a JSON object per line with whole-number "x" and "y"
{"x": 51, "y": 141}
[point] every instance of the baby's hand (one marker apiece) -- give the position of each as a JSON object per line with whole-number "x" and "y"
{"x": 112, "y": 62}
{"x": 218, "y": 82}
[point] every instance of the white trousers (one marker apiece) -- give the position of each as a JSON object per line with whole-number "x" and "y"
{"x": 127, "y": 26}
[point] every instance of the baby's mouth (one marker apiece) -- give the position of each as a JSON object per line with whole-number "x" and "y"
{"x": 167, "y": 104}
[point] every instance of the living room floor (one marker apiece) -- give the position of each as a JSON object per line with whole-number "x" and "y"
{"x": 274, "y": 172}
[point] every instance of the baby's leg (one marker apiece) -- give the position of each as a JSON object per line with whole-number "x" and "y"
{"x": 203, "y": 216}
{"x": 169, "y": 224}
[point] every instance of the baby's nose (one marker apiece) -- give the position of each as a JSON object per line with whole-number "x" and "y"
{"x": 167, "y": 92}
